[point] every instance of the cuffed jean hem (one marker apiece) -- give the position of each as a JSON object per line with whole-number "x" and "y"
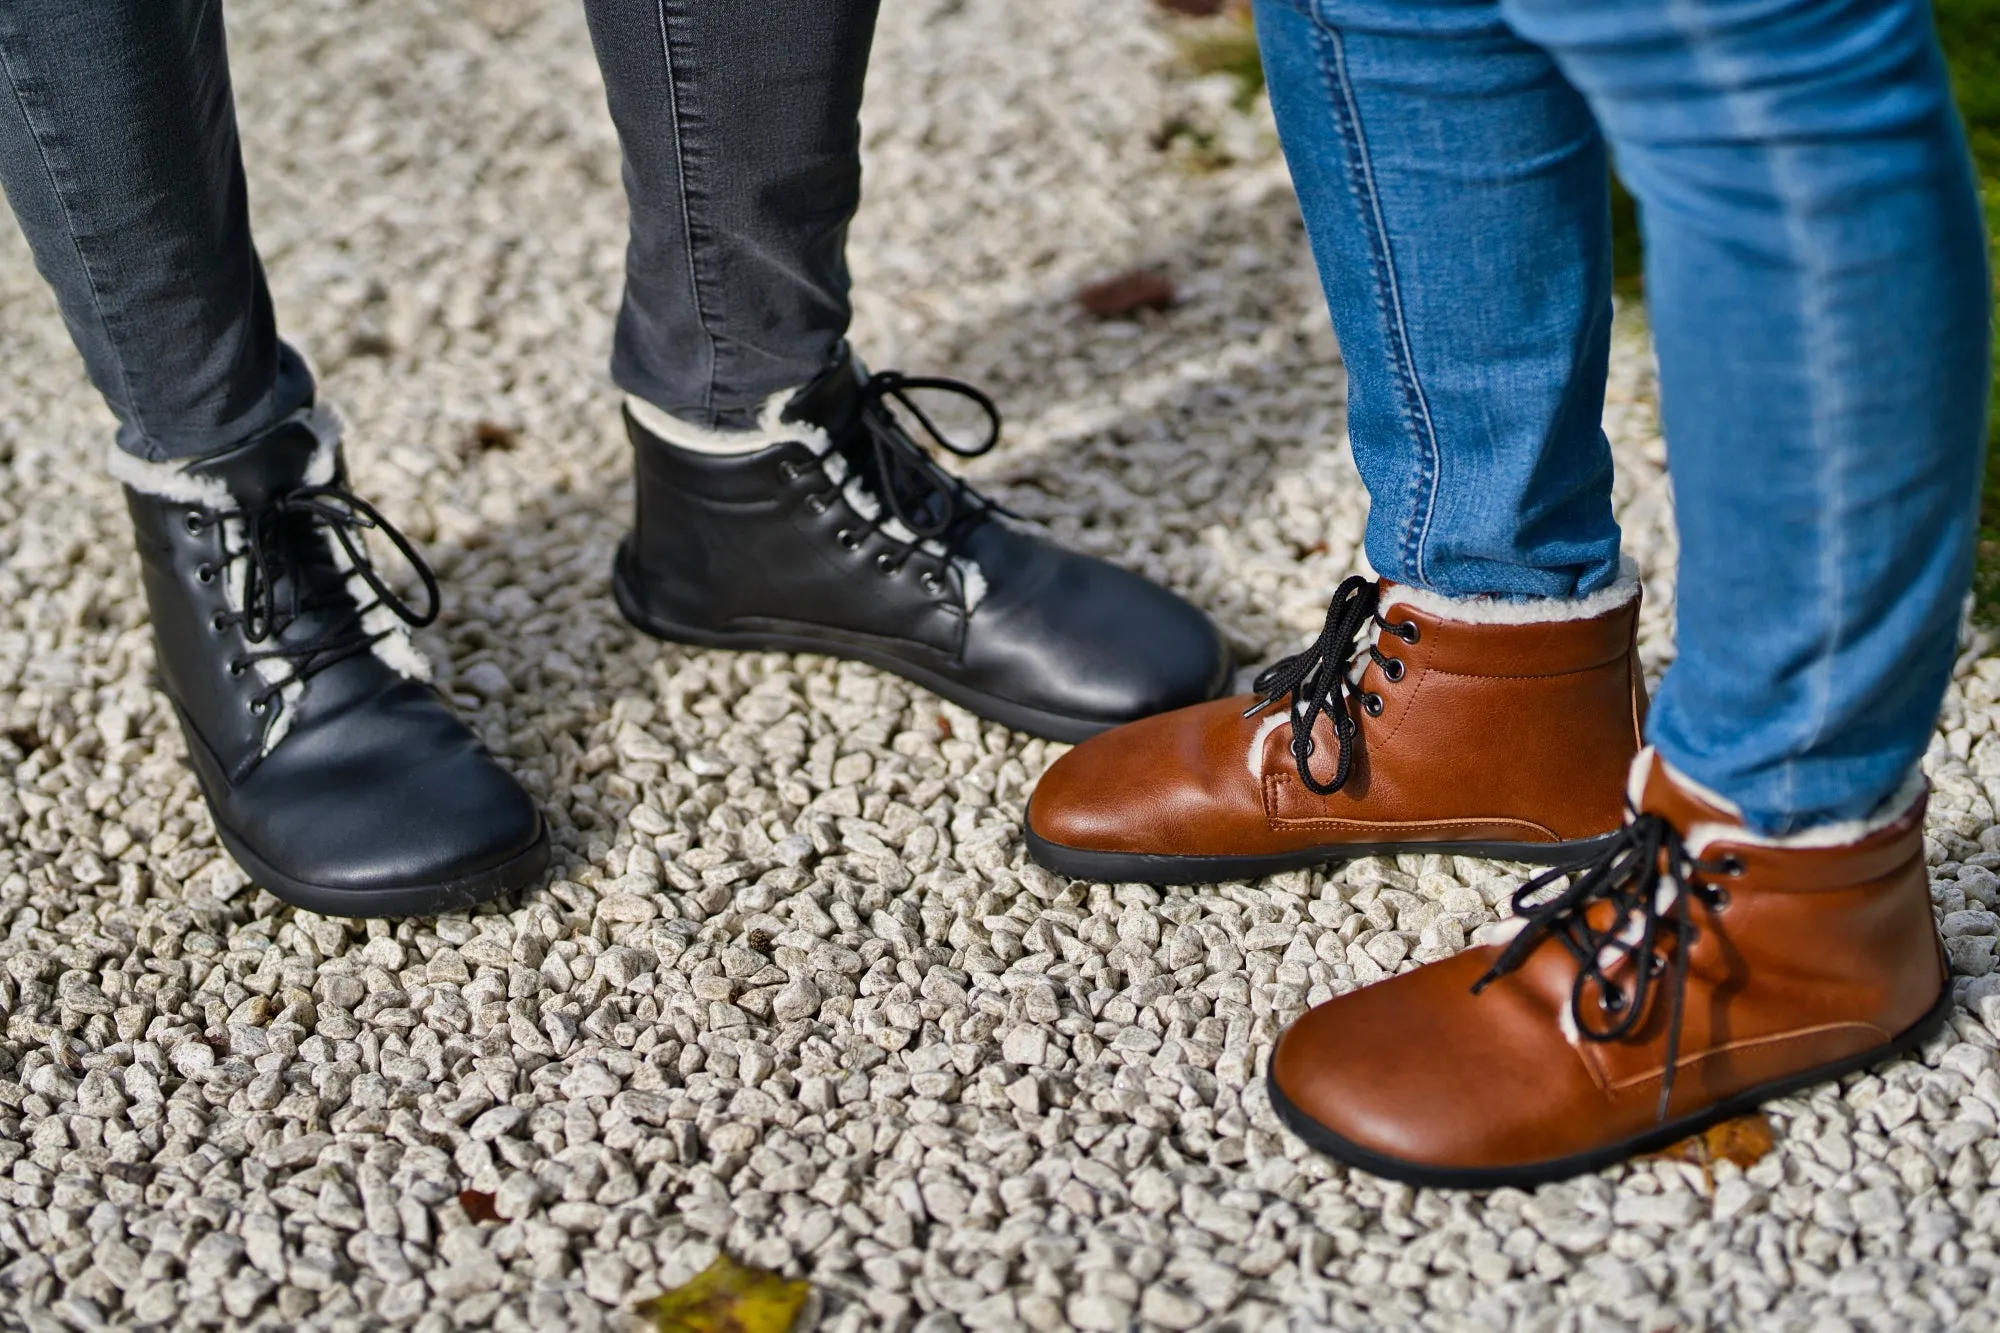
{"x": 292, "y": 387}
{"x": 733, "y": 403}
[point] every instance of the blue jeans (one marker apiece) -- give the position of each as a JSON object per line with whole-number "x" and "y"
{"x": 740, "y": 126}
{"x": 1817, "y": 287}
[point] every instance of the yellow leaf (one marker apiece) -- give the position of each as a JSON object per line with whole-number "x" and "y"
{"x": 728, "y": 1297}
{"x": 1743, "y": 1140}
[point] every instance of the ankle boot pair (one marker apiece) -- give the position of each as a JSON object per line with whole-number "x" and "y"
{"x": 340, "y": 781}
{"x": 1671, "y": 971}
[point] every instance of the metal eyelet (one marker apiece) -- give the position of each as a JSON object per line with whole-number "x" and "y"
{"x": 1718, "y": 897}
{"x": 237, "y": 666}
{"x": 219, "y": 622}
{"x": 1610, "y": 1001}
{"x": 196, "y": 524}
{"x": 816, "y": 504}
{"x": 1393, "y": 669}
{"x": 1732, "y": 865}
{"x": 788, "y": 470}
{"x": 1372, "y": 704}
{"x": 1302, "y": 745}
{"x": 932, "y": 584}
{"x": 1406, "y": 631}
{"x": 888, "y": 564}
{"x": 847, "y": 539}
{"x": 204, "y": 574}
{"x": 260, "y": 705}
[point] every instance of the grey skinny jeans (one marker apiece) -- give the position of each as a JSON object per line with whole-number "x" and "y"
{"x": 739, "y": 124}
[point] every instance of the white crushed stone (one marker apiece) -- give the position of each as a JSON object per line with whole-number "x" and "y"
{"x": 795, "y": 988}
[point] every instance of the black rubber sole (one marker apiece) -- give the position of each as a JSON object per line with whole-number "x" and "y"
{"x": 406, "y": 900}
{"x": 1321, "y": 1139}
{"x": 1148, "y": 868}
{"x": 800, "y": 638}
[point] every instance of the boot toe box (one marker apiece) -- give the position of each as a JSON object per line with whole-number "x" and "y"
{"x": 400, "y": 803}
{"x": 1084, "y": 638}
{"x": 1415, "y": 1077}
{"x": 1174, "y": 784}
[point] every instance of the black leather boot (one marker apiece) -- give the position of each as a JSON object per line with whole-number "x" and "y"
{"x": 830, "y": 530}
{"x": 338, "y": 779}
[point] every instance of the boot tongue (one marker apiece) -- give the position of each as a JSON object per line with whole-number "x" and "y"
{"x": 833, "y": 401}
{"x": 1658, "y": 790}
{"x": 264, "y": 467}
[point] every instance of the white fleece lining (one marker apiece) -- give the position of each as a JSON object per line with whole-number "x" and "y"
{"x": 772, "y": 429}
{"x": 1841, "y": 833}
{"x": 1536, "y": 611}
{"x": 172, "y": 482}
{"x": 165, "y": 481}
{"x": 1469, "y": 611}
{"x": 1264, "y": 730}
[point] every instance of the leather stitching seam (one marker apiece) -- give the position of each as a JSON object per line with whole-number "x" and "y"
{"x": 1523, "y": 675}
{"x": 1275, "y": 820}
{"x": 1747, "y": 1043}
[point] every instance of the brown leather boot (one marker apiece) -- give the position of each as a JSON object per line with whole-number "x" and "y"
{"x": 1481, "y": 728}
{"x": 1810, "y": 956}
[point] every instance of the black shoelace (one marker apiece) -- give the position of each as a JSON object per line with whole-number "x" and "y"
{"x": 278, "y": 589}
{"x": 1618, "y": 964}
{"x": 1316, "y": 681}
{"x": 907, "y": 483}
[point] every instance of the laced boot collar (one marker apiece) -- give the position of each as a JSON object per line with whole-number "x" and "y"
{"x": 1626, "y": 917}
{"x": 880, "y": 456}
{"x": 1631, "y": 914}
{"x": 291, "y": 549}
{"x": 1324, "y": 679}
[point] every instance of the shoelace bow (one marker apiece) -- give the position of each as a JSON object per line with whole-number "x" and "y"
{"x": 276, "y": 546}
{"x": 1618, "y": 964}
{"x": 911, "y": 488}
{"x": 1320, "y": 679}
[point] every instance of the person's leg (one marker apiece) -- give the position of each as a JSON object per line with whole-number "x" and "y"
{"x": 118, "y": 153}
{"x": 781, "y": 499}
{"x": 1817, "y": 283}
{"x": 1763, "y": 920}
{"x": 740, "y": 125}
{"x": 1454, "y": 188}
{"x": 336, "y": 777}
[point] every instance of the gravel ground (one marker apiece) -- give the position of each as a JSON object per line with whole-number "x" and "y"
{"x": 795, "y": 988}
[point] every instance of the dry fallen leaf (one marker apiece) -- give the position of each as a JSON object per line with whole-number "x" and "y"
{"x": 1743, "y": 1140}
{"x": 944, "y": 727}
{"x": 493, "y": 435}
{"x": 478, "y": 1206}
{"x": 1128, "y": 294}
{"x": 728, "y": 1297}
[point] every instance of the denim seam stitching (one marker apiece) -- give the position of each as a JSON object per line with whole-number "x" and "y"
{"x": 1416, "y": 410}
{"x": 82, "y": 262}
{"x": 687, "y": 212}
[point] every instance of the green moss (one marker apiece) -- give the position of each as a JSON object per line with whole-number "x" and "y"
{"x": 1628, "y": 258}
{"x": 1227, "y": 45}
